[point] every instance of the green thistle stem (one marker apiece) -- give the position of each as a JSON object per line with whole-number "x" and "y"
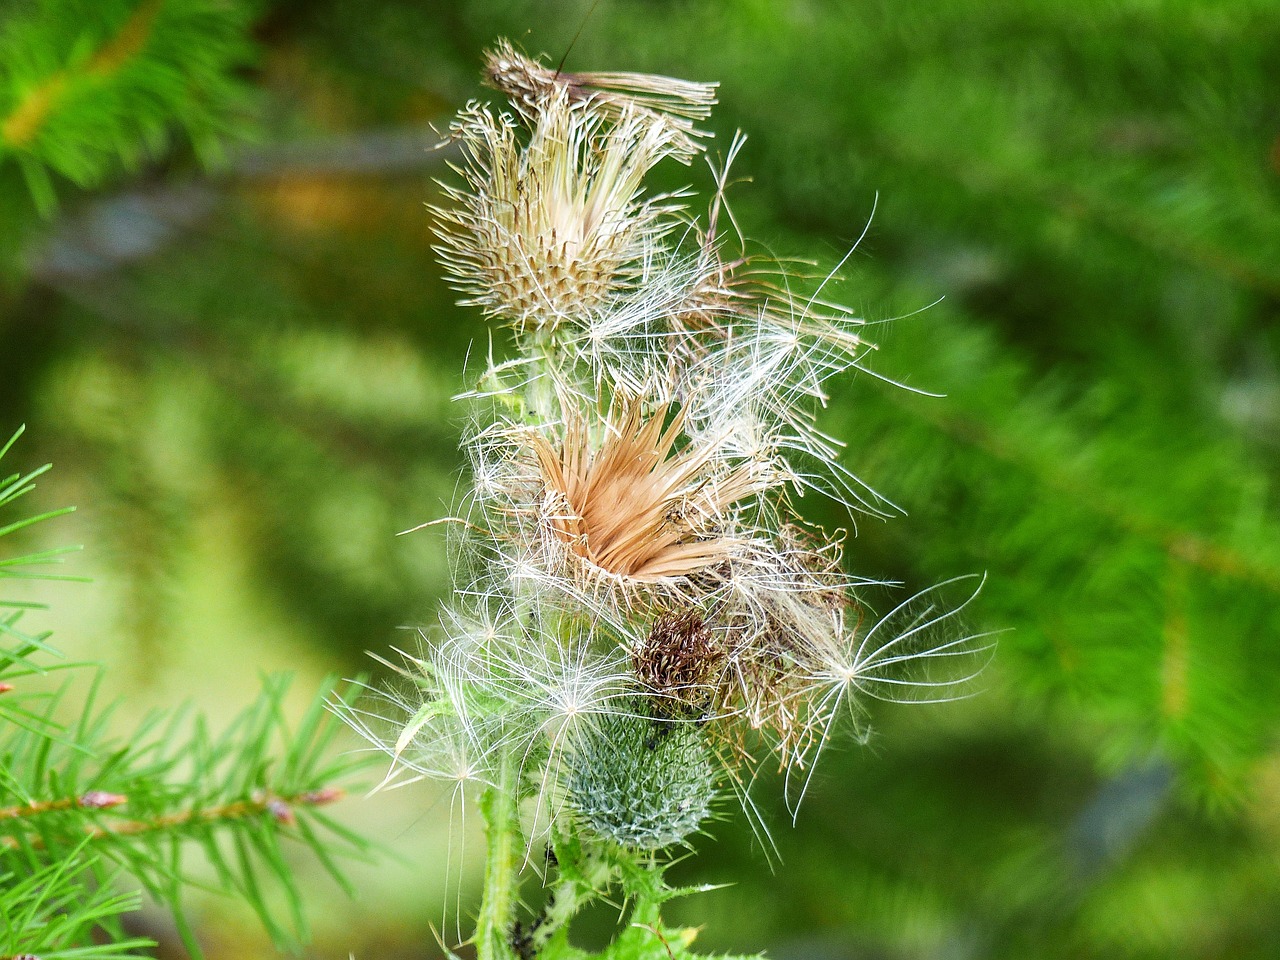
{"x": 499, "y": 806}
{"x": 645, "y": 885}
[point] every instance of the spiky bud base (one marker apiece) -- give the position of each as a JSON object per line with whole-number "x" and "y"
{"x": 641, "y": 783}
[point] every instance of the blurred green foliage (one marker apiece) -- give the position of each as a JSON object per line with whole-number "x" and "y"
{"x": 1094, "y": 189}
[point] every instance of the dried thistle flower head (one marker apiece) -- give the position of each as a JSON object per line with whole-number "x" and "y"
{"x": 552, "y": 228}
{"x": 675, "y": 104}
{"x": 634, "y": 507}
{"x": 681, "y": 663}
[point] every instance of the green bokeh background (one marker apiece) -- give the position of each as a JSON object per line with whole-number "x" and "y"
{"x": 238, "y": 353}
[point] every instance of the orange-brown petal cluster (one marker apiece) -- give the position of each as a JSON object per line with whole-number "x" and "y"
{"x": 633, "y": 505}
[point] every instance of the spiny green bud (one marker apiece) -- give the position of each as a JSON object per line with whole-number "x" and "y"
{"x": 640, "y": 782}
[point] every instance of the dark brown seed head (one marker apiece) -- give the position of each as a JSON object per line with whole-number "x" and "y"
{"x": 681, "y": 662}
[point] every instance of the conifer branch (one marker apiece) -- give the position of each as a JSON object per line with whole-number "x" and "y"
{"x": 282, "y": 809}
{"x": 1070, "y": 200}
{"x": 241, "y": 790}
{"x": 87, "y": 90}
{"x": 1180, "y": 545}
{"x": 93, "y": 800}
{"x": 28, "y": 116}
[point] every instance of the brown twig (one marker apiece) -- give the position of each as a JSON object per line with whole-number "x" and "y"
{"x": 281, "y": 809}
{"x": 93, "y": 800}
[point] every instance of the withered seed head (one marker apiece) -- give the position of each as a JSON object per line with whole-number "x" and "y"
{"x": 681, "y": 662}
{"x": 526, "y": 81}
{"x": 634, "y": 507}
{"x": 676, "y": 105}
{"x": 549, "y": 225}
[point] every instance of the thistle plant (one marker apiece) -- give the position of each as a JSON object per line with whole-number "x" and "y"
{"x": 641, "y": 620}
